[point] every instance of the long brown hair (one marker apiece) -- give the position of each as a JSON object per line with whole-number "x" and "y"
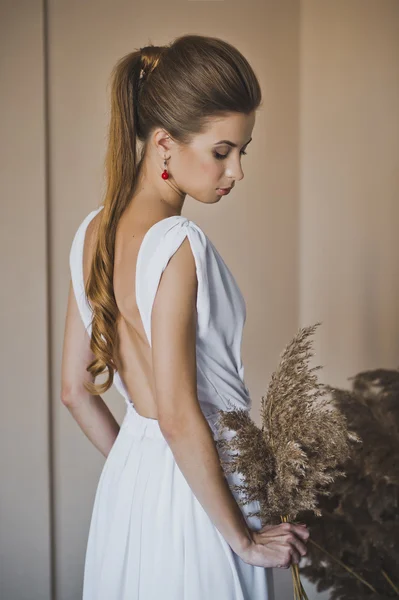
{"x": 177, "y": 87}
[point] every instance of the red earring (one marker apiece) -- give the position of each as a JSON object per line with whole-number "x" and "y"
{"x": 165, "y": 174}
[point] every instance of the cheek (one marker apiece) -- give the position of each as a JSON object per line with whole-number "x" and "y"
{"x": 211, "y": 169}
{"x": 198, "y": 172}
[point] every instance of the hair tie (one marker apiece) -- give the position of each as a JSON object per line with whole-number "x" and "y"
{"x": 152, "y": 63}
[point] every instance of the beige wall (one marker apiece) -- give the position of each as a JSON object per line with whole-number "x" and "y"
{"x": 349, "y": 165}
{"x": 25, "y": 490}
{"x": 314, "y": 216}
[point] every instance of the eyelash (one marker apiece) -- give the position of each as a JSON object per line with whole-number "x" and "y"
{"x": 222, "y": 156}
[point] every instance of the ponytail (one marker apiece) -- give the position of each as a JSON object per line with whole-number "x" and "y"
{"x": 121, "y": 170}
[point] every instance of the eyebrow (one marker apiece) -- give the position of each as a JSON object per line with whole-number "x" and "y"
{"x": 231, "y": 143}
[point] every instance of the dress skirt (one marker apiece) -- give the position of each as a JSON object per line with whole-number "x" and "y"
{"x": 149, "y": 536}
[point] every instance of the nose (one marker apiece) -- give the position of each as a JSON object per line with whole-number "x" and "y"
{"x": 241, "y": 174}
{"x": 235, "y": 172}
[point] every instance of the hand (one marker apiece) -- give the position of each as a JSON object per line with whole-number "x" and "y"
{"x": 277, "y": 546}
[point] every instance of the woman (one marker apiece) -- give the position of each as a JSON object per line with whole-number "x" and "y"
{"x": 153, "y": 305}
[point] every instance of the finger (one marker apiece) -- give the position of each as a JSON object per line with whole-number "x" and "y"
{"x": 299, "y": 530}
{"x": 269, "y": 537}
{"x": 283, "y": 555}
{"x": 295, "y": 557}
{"x": 297, "y": 544}
{"x": 269, "y": 533}
{"x": 280, "y": 532}
{"x": 270, "y": 528}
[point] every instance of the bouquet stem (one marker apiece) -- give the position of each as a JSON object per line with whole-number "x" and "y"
{"x": 351, "y": 571}
{"x": 299, "y": 592}
{"x": 391, "y": 583}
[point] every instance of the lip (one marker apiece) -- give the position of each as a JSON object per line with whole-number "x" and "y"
{"x": 224, "y": 191}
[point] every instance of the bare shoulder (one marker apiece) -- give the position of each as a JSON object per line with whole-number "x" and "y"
{"x": 89, "y": 244}
{"x": 179, "y": 280}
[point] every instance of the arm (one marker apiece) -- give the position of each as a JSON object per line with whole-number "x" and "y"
{"x": 91, "y": 412}
{"x": 173, "y": 326}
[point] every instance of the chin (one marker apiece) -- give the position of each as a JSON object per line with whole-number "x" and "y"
{"x": 208, "y": 198}
{"x": 216, "y": 198}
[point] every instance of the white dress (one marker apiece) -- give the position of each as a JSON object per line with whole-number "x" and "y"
{"x": 149, "y": 536}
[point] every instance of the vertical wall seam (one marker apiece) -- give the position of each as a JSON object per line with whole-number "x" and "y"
{"x": 48, "y": 295}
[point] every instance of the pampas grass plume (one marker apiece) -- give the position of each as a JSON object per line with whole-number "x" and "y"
{"x": 292, "y": 459}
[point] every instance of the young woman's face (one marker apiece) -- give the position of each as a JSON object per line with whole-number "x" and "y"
{"x": 213, "y": 159}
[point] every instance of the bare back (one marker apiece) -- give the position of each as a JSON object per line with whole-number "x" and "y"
{"x": 135, "y": 357}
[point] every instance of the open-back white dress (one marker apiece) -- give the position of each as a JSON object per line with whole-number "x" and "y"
{"x": 149, "y": 537}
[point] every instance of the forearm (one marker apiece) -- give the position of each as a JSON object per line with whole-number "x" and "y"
{"x": 95, "y": 420}
{"x": 195, "y": 452}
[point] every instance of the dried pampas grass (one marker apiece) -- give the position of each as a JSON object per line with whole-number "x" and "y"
{"x": 295, "y": 456}
{"x": 360, "y": 521}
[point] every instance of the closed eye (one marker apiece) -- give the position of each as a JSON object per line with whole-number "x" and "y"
{"x": 222, "y": 156}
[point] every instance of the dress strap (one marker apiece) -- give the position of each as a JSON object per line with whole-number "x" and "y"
{"x": 158, "y": 246}
{"x": 76, "y": 268}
